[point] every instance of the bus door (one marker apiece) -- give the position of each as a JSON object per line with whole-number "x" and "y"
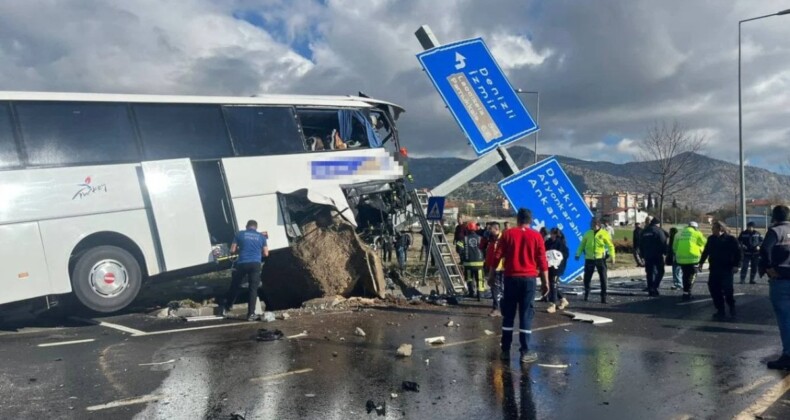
{"x": 216, "y": 201}
{"x": 177, "y": 212}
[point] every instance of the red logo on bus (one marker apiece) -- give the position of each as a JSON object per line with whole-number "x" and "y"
{"x": 86, "y": 189}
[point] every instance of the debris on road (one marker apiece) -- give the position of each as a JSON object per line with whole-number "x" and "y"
{"x": 489, "y": 332}
{"x": 284, "y": 316}
{"x": 594, "y": 319}
{"x": 334, "y": 354}
{"x": 393, "y": 395}
{"x": 554, "y": 366}
{"x": 158, "y": 363}
{"x": 411, "y": 386}
{"x": 203, "y": 318}
{"x": 380, "y": 408}
{"x": 268, "y": 317}
{"x": 450, "y": 324}
{"x": 267, "y": 335}
{"x": 309, "y": 395}
{"x": 435, "y": 340}
{"x": 359, "y": 332}
{"x": 300, "y": 335}
{"x": 329, "y": 259}
{"x": 404, "y": 350}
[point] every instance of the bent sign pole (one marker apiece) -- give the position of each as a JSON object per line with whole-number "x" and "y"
{"x": 547, "y": 191}
{"x": 449, "y": 68}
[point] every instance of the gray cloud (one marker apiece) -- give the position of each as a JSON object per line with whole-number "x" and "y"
{"x": 606, "y": 70}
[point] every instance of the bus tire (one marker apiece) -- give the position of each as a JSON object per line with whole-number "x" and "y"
{"x": 106, "y": 278}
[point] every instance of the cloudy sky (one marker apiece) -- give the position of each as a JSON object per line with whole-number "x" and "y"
{"x": 606, "y": 69}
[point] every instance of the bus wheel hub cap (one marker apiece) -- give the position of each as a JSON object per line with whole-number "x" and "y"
{"x": 108, "y": 278}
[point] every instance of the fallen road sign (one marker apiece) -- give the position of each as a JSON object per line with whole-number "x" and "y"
{"x": 546, "y": 190}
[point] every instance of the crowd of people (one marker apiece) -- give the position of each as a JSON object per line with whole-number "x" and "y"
{"x": 514, "y": 260}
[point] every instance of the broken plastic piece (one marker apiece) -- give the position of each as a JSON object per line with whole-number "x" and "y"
{"x": 594, "y": 319}
{"x": 411, "y": 386}
{"x": 435, "y": 340}
{"x": 267, "y": 335}
{"x": 359, "y": 332}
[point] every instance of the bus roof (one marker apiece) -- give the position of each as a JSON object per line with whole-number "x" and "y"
{"x": 293, "y": 100}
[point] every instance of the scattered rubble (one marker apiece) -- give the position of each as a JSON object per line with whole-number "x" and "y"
{"x": 267, "y": 335}
{"x": 284, "y": 316}
{"x": 449, "y": 324}
{"x": 404, "y": 350}
{"x": 411, "y": 386}
{"x": 328, "y": 259}
{"x": 300, "y": 335}
{"x": 380, "y": 408}
{"x": 268, "y": 317}
{"x": 489, "y": 332}
{"x": 435, "y": 340}
{"x": 359, "y": 332}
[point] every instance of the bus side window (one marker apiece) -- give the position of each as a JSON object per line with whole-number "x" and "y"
{"x": 261, "y": 131}
{"x": 8, "y": 152}
{"x": 173, "y": 131}
{"x": 67, "y": 133}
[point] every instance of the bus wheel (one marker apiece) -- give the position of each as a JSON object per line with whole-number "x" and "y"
{"x": 106, "y": 278}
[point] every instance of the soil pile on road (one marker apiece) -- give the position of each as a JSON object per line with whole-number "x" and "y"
{"x": 328, "y": 260}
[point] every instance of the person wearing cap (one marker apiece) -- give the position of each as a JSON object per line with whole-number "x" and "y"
{"x": 594, "y": 246}
{"x": 688, "y": 246}
{"x": 251, "y": 247}
{"x": 473, "y": 259}
{"x": 653, "y": 246}
{"x": 750, "y": 241}
{"x": 725, "y": 259}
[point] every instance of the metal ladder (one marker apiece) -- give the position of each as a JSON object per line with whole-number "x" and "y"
{"x": 441, "y": 250}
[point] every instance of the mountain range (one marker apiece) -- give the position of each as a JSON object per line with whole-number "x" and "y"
{"x": 718, "y": 189}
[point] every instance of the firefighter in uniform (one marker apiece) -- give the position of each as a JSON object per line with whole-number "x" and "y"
{"x": 473, "y": 258}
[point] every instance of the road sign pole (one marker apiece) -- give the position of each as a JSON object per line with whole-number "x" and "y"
{"x": 428, "y": 258}
{"x": 502, "y": 159}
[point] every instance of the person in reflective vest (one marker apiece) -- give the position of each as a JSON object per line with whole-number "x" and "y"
{"x": 595, "y": 245}
{"x": 775, "y": 262}
{"x": 473, "y": 259}
{"x": 688, "y": 247}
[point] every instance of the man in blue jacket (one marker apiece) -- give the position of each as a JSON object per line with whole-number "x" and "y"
{"x": 252, "y": 248}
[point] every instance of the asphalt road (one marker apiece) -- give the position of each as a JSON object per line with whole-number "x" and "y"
{"x": 658, "y": 359}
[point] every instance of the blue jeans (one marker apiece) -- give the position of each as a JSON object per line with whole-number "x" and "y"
{"x": 677, "y": 276}
{"x": 748, "y": 260}
{"x": 401, "y": 258}
{"x": 779, "y": 290}
{"x": 519, "y": 294}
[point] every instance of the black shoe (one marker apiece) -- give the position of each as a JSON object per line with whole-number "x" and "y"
{"x": 782, "y": 363}
{"x": 504, "y": 355}
{"x": 586, "y": 296}
{"x": 743, "y": 281}
{"x": 733, "y": 312}
{"x": 528, "y": 357}
{"x": 719, "y": 315}
{"x": 656, "y": 293}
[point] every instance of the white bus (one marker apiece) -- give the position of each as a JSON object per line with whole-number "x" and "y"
{"x": 101, "y": 192}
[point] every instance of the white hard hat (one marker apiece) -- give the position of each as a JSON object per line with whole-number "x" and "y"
{"x": 695, "y": 225}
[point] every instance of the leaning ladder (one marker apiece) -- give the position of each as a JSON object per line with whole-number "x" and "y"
{"x": 441, "y": 250}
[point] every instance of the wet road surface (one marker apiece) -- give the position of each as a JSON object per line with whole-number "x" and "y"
{"x": 658, "y": 359}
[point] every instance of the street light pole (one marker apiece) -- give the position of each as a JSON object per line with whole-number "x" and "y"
{"x": 537, "y": 116}
{"x": 740, "y": 118}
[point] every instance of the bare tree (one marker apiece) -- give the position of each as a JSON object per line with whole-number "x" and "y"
{"x": 669, "y": 162}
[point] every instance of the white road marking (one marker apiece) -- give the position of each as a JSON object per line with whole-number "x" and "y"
{"x": 206, "y": 327}
{"x": 66, "y": 343}
{"x": 475, "y": 340}
{"x": 281, "y": 375}
{"x": 691, "y": 302}
{"x": 157, "y": 363}
{"x": 125, "y": 402}
{"x": 766, "y": 400}
{"x": 751, "y": 387}
{"x": 109, "y": 325}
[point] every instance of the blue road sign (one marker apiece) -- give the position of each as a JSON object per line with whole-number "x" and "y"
{"x": 546, "y": 190}
{"x": 478, "y": 94}
{"x": 435, "y": 208}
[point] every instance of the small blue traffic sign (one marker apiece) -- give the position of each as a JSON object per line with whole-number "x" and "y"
{"x": 547, "y": 191}
{"x": 435, "y": 208}
{"x": 478, "y": 94}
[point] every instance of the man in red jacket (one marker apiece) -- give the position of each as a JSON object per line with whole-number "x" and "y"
{"x": 524, "y": 253}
